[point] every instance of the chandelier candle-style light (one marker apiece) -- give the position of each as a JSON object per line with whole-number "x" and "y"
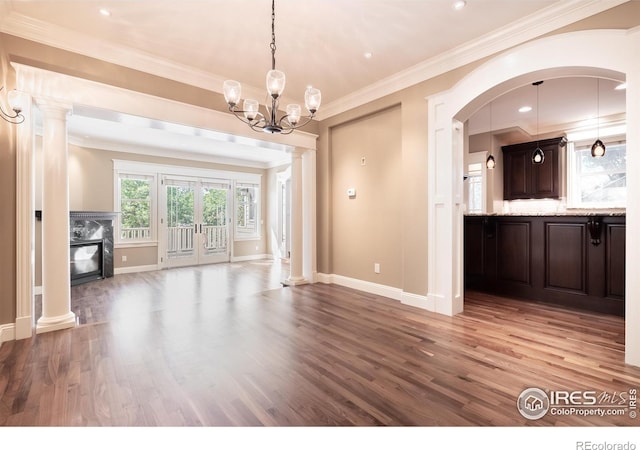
{"x": 269, "y": 123}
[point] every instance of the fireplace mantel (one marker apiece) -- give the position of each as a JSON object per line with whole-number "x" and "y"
{"x": 93, "y": 215}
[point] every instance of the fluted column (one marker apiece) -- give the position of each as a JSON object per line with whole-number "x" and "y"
{"x": 295, "y": 261}
{"x": 56, "y": 289}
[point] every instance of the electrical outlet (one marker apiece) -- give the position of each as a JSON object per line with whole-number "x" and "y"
{"x": 124, "y": 258}
{"x": 376, "y": 268}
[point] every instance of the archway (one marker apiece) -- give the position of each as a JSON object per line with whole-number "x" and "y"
{"x": 604, "y": 53}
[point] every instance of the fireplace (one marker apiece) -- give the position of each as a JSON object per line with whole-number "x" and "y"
{"x": 86, "y": 260}
{"x": 91, "y": 245}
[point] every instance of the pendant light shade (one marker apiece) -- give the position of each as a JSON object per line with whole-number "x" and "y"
{"x": 538, "y": 156}
{"x": 598, "y": 148}
{"x": 491, "y": 161}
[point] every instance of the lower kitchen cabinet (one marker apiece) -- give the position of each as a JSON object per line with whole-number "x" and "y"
{"x": 574, "y": 261}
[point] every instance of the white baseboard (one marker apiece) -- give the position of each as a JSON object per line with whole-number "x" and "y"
{"x": 135, "y": 269}
{"x": 361, "y": 285}
{"x": 407, "y": 298}
{"x": 7, "y": 332}
{"x": 324, "y": 278}
{"x": 250, "y": 258}
{"x": 419, "y": 301}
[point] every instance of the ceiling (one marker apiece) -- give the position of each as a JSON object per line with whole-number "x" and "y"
{"x": 319, "y": 42}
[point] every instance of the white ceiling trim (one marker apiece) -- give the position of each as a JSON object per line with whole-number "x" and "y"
{"x": 548, "y": 20}
{"x": 53, "y": 85}
{"x": 103, "y": 144}
{"x": 499, "y": 40}
{"x": 45, "y": 33}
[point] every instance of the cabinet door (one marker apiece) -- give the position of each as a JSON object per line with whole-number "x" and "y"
{"x": 545, "y": 176}
{"x": 517, "y": 174}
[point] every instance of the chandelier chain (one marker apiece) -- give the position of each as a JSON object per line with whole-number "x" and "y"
{"x": 273, "y": 35}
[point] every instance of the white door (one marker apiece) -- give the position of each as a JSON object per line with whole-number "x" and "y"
{"x": 194, "y": 221}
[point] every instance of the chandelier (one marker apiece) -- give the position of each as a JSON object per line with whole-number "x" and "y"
{"x": 269, "y": 122}
{"x": 16, "y": 116}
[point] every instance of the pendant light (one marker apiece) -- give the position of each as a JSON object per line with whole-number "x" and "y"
{"x": 538, "y": 155}
{"x": 598, "y": 149}
{"x": 491, "y": 161}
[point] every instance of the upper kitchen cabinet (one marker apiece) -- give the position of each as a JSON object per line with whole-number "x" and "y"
{"x": 524, "y": 179}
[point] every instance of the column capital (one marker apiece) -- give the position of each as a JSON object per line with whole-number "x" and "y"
{"x": 53, "y": 108}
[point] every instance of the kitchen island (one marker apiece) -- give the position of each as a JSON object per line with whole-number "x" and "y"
{"x": 572, "y": 260}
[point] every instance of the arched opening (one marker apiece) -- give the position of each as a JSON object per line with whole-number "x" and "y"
{"x": 602, "y": 53}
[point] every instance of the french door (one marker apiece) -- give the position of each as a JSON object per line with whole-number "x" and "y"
{"x": 195, "y": 221}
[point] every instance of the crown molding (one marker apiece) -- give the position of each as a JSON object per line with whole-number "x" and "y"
{"x": 45, "y": 33}
{"x": 54, "y": 36}
{"x": 548, "y": 20}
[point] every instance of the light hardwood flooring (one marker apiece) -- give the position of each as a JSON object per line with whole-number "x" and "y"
{"x": 227, "y": 345}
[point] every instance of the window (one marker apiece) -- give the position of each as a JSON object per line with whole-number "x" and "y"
{"x": 247, "y": 211}
{"x": 474, "y": 183}
{"x": 598, "y": 182}
{"x": 136, "y": 195}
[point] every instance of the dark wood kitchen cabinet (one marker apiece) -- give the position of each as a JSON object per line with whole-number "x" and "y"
{"x": 524, "y": 179}
{"x": 574, "y": 261}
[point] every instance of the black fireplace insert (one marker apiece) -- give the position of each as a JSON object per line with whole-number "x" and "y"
{"x": 87, "y": 261}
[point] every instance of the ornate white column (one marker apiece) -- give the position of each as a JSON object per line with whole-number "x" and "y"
{"x": 56, "y": 288}
{"x": 25, "y": 218}
{"x": 295, "y": 261}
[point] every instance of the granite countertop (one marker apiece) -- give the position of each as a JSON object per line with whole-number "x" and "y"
{"x": 577, "y": 213}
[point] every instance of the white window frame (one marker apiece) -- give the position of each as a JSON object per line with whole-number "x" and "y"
{"x": 472, "y": 159}
{"x": 124, "y": 173}
{"x": 238, "y": 234}
{"x": 573, "y": 193}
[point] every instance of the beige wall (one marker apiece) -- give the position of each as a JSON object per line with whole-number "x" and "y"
{"x": 7, "y": 205}
{"x": 374, "y": 234}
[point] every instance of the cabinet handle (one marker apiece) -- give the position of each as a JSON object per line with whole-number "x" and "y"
{"x": 595, "y": 230}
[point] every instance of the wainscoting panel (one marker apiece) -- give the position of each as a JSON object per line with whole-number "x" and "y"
{"x": 565, "y": 255}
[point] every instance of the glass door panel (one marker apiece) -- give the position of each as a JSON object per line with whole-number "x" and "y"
{"x": 214, "y": 238}
{"x": 181, "y": 225}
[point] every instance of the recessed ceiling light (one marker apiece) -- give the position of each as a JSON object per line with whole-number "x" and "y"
{"x": 525, "y": 109}
{"x": 459, "y": 5}
{"x": 621, "y": 87}
{"x": 368, "y": 55}
{"x": 105, "y": 12}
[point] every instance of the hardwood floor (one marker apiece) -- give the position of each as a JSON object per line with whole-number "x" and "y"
{"x": 226, "y": 345}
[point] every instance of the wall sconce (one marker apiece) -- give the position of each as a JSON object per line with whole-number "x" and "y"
{"x": 598, "y": 149}
{"x": 16, "y": 117}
